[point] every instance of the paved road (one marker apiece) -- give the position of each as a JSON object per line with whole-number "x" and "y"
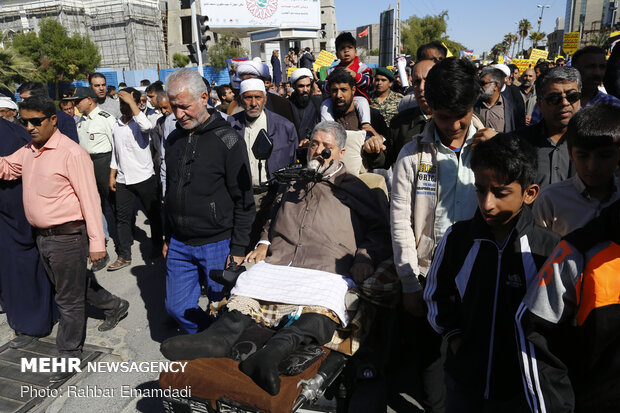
{"x": 136, "y": 338}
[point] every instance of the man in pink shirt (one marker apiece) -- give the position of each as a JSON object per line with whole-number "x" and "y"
{"x": 62, "y": 204}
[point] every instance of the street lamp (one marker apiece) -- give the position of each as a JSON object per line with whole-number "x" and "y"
{"x": 542, "y": 10}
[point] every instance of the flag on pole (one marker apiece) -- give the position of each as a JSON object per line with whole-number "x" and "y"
{"x": 363, "y": 33}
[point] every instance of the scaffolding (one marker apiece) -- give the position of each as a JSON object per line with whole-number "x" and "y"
{"x": 128, "y": 33}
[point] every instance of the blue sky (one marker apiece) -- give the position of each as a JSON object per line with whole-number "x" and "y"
{"x": 476, "y": 24}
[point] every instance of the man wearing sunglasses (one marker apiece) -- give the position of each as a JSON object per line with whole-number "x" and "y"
{"x": 62, "y": 204}
{"x": 558, "y": 97}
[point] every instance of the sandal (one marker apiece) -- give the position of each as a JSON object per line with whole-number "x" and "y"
{"x": 118, "y": 264}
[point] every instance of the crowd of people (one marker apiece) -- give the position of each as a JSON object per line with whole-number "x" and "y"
{"x": 503, "y": 221}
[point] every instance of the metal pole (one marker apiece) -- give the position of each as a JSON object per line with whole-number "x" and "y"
{"x": 397, "y": 30}
{"x": 542, "y": 10}
{"x": 197, "y": 37}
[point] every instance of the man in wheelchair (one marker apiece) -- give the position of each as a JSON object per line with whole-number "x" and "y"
{"x": 324, "y": 236}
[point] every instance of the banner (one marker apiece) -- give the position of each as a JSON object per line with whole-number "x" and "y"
{"x": 324, "y": 58}
{"x": 538, "y": 54}
{"x": 262, "y": 13}
{"x": 571, "y": 42}
{"x": 522, "y": 64}
{"x": 386, "y": 38}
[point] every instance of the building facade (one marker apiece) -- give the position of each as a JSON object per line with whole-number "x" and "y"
{"x": 590, "y": 15}
{"x": 128, "y": 33}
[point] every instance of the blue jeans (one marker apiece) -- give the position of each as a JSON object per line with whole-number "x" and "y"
{"x": 184, "y": 265}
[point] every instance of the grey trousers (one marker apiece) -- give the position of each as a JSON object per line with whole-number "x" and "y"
{"x": 65, "y": 259}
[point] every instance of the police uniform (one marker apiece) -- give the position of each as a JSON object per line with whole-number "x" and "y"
{"x": 95, "y": 133}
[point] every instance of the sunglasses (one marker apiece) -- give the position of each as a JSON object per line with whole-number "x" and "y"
{"x": 557, "y": 98}
{"x": 33, "y": 121}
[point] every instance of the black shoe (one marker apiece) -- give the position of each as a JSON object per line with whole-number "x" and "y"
{"x": 100, "y": 263}
{"x": 112, "y": 321}
{"x": 22, "y": 340}
{"x": 58, "y": 377}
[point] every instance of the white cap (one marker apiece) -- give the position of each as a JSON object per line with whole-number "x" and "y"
{"x": 299, "y": 73}
{"x": 7, "y": 103}
{"x": 250, "y": 67}
{"x": 503, "y": 68}
{"x": 252, "y": 84}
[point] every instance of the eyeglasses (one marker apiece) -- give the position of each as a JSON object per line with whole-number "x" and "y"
{"x": 555, "y": 99}
{"x": 33, "y": 121}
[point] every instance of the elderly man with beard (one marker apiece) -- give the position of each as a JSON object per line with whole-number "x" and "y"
{"x": 495, "y": 110}
{"x": 248, "y": 125}
{"x": 305, "y": 105}
{"x": 208, "y": 203}
{"x": 528, "y": 93}
{"x": 8, "y": 109}
{"x": 275, "y": 103}
{"x": 328, "y": 233}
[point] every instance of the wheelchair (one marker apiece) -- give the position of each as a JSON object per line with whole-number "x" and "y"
{"x": 342, "y": 371}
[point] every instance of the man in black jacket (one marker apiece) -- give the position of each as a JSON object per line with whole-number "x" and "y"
{"x": 305, "y": 105}
{"x": 209, "y": 203}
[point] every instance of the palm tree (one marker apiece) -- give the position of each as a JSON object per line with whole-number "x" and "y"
{"x": 524, "y": 28}
{"x": 15, "y": 68}
{"x": 536, "y": 37}
{"x": 508, "y": 39}
{"x": 515, "y": 40}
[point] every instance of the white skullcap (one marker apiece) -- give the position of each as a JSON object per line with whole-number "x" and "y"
{"x": 299, "y": 73}
{"x": 250, "y": 67}
{"x": 503, "y": 68}
{"x": 257, "y": 60}
{"x": 252, "y": 84}
{"x": 7, "y": 103}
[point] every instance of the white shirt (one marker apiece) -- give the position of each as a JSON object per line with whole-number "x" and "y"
{"x": 457, "y": 199}
{"x": 131, "y": 155}
{"x": 251, "y": 132}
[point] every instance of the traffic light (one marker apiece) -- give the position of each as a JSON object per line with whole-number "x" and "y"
{"x": 193, "y": 56}
{"x": 203, "y": 28}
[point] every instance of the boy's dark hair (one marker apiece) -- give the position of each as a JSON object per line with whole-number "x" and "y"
{"x": 452, "y": 85}
{"x": 135, "y": 93}
{"x": 543, "y": 67}
{"x": 156, "y": 87}
{"x": 111, "y": 87}
{"x": 122, "y": 84}
{"x": 145, "y": 82}
{"x": 594, "y": 126}
{"x": 586, "y": 50}
{"x": 35, "y": 88}
{"x": 94, "y": 75}
{"x": 39, "y": 103}
{"x": 510, "y": 157}
{"x": 63, "y": 102}
{"x": 340, "y": 75}
{"x": 344, "y": 38}
{"x": 221, "y": 90}
{"x": 435, "y": 44}
{"x": 513, "y": 67}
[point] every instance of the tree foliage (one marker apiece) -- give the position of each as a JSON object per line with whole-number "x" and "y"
{"x": 15, "y": 68}
{"x": 536, "y": 37}
{"x": 58, "y": 56}
{"x": 180, "y": 60}
{"x": 224, "y": 49}
{"x": 524, "y": 28}
{"x": 417, "y": 31}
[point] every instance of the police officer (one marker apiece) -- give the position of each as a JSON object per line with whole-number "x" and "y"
{"x": 95, "y": 133}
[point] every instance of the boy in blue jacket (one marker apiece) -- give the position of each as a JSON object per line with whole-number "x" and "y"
{"x": 479, "y": 275}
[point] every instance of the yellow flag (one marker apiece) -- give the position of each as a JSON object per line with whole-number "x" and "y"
{"x": 449, "y": 53}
